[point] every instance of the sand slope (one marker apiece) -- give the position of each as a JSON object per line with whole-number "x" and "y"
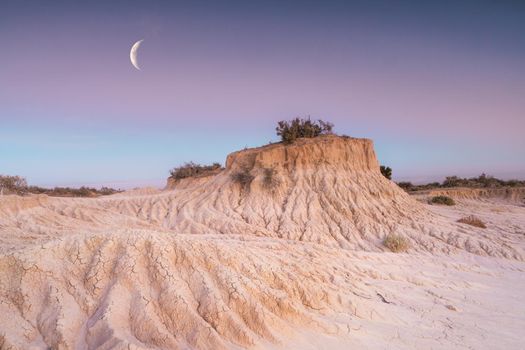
{"x": 211, "y": 264}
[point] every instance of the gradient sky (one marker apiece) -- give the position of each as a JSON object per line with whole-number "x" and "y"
{"x": 439, "y": 86}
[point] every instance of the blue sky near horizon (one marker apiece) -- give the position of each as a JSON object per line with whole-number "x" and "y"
{"x": 438, "y": 86}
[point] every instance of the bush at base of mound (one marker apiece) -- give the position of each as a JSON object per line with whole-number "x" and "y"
{"x": 442, "y": 200}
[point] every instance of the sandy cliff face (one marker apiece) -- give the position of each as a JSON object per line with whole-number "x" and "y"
{"x": 344, "y": 153}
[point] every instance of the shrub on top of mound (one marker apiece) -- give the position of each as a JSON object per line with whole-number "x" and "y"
{"x": 289, "y": 131}
{"x": 191, "y": 169}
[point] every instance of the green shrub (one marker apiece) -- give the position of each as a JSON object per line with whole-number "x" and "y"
{"x": 472, "y": 221}
{"x": 386, "y": 171}
{"x": 193, "y": 170}
{"x": 243, "y": 178}
{"x": 396, "y": 243}
{"x": 289, "y": 131}
{"x": 443, "y": 200}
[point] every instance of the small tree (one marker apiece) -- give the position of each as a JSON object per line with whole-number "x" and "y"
{"x": 386, "y": 171}
{"x": 289, "y": 131}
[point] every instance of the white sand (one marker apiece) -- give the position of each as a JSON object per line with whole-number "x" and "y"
{"x": 212, "y": 265}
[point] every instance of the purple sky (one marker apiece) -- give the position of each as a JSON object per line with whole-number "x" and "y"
{"x": 439, "y": 87}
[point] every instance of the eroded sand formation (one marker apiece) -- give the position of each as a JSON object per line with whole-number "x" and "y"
{"x": 507, "y": 194}
{"x": 212, "y": 264}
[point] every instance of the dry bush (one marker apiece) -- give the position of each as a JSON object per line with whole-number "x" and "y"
{"x": 270, "y": 180}
{"x": 12, "y": 185}
{"x": 243, "y": 178}
{"x": 396, "y": 243}
{"x": 193, "y": 170}
{"x": 443, "y": 200}
{"x": 472, "y": 221}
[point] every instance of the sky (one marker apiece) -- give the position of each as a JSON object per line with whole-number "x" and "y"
{"x": 439, "y": 86}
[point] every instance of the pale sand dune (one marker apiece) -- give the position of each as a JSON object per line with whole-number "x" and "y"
{"x": 212, "y": 265}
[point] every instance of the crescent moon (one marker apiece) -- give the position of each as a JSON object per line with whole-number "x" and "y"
{"x": 133, "y": 54}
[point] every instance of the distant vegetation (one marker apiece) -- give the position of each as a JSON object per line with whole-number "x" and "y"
{"x": 482, "y": 181}
{"x": 472, "y": 221}
{"x": 386, "y": 171}
{"x": 193, "y": 170}
{"x": 396, "y": 243}
{"x": 296, "y": 128}
{"x": 73, "y": 192}
{"x": 18, "y": 185}
{"x": 443, "y": 200}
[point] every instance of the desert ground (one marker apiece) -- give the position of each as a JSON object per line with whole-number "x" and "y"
{"x": 287, "y": 258}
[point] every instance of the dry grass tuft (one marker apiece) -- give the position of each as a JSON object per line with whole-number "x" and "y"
{"x": 396, "y": 243}
{"x": 472, "y": 221}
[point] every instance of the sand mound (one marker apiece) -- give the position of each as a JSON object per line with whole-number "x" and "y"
{"x": 327, "y": 190}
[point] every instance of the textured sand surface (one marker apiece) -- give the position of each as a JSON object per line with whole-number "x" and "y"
{"x": 505, "y": 194}
{"x": 210, "y": 264}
